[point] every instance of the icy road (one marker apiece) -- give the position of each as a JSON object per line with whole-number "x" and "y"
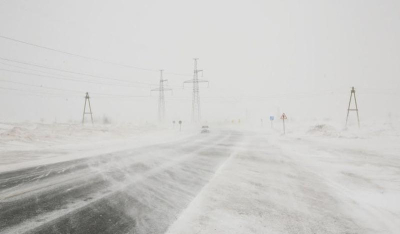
{"x": 224, "y": 182}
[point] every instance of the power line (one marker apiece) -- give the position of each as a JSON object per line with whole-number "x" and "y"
{"x": 73, "y": 72}
{"x": 28, "y": 92}
{"x": 56, "y": 76}
{"x": 87, "y": 57}
{"x": 68, "y": 90}
{"x": 179, "y": 98}
{"x": 33, "y": 92}
{"x": 59, "y": 78}
{"x": 39, "y": 86}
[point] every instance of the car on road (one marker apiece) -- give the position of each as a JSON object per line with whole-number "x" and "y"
{"x": 205, "y": 129}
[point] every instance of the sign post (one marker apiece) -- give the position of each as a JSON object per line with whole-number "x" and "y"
{"x": 283, "y": 117}
{"x": 180, "y": 125}
{"x": 271, "y": 118}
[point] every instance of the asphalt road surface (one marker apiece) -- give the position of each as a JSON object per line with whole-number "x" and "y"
{"x": 142, "y": 190}
{"x": 222, "y": 182}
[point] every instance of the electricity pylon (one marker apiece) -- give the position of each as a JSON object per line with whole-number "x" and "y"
{"x": 87, "y": 100}
{"x": 196, "y": 111}
{"x": 161, "y": 100}
{"x": 353, "y": 93}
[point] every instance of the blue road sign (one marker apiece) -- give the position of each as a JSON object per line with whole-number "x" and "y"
{"x": 271, "y": 118}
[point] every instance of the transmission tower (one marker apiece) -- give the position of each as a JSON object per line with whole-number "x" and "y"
{"x": 87, "y": 100}
{"x": 353, "y": 93}
{"x": 161, "y": 100}
{"x": 196, "y": 111}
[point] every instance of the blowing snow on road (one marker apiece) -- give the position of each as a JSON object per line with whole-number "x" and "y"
{"x": 228, "y": 181}
{"x": 199, "y": 117}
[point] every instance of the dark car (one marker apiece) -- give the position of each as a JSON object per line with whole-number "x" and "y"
{"x": 204, "y": 129}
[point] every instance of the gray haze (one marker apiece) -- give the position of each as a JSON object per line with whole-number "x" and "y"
{"x": 261, "y": 57}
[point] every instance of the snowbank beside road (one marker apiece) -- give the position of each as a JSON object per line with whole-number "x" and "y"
{"x": 31, "y": 144}
{"x": 319, "y": 178}
{"x": 37, "y": 134}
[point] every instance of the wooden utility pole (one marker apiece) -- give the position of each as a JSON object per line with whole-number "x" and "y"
{"x": 353, "y": 93}
{"x": 87, "y": 100}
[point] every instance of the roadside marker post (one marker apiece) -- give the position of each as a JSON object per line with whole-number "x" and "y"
{"x": 180, "y": 125}
{"x": 271, "y": 118}
{"x": 283, "y": 117}
{"x": 173, "y": 124}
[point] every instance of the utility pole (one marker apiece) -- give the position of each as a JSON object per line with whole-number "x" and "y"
{"x": 353, "y": 93}
{"x": 87, "y": 100}
{"x": 196, "y": 111}
{"x": 161, "y": 100}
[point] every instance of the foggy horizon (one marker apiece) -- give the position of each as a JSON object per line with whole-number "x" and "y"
{"x": 203, "y": 117}
{"x": 259, "y": 57}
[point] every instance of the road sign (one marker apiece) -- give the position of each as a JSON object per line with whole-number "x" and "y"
{"x": 180, "y": 125}
{"x": 283, "y": 117}
{"x": 271, "y": 118}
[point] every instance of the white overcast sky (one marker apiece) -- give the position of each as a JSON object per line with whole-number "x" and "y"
{"x": 261, "y": 57}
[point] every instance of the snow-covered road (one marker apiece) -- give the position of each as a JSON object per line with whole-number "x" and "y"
{"x": 228, "y": 181}
{"x": 141, "y": 190}
{"x": 284, "y": 184}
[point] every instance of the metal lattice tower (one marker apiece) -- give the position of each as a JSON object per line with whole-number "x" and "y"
{"x": 87, "y": 100}
{"x": 161, "y": 100}
{"x": 353, "y": 93}
{"x": 196, "y": 110}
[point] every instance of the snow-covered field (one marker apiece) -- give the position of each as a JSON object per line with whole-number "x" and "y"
{"x": 32, "y": 144}
{"x": 318, "y": 178}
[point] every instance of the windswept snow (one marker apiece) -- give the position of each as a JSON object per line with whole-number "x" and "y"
{"x": 318, "y": 178}
{"x": 321, "y": 180}
{"x": 33, "y": 144}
